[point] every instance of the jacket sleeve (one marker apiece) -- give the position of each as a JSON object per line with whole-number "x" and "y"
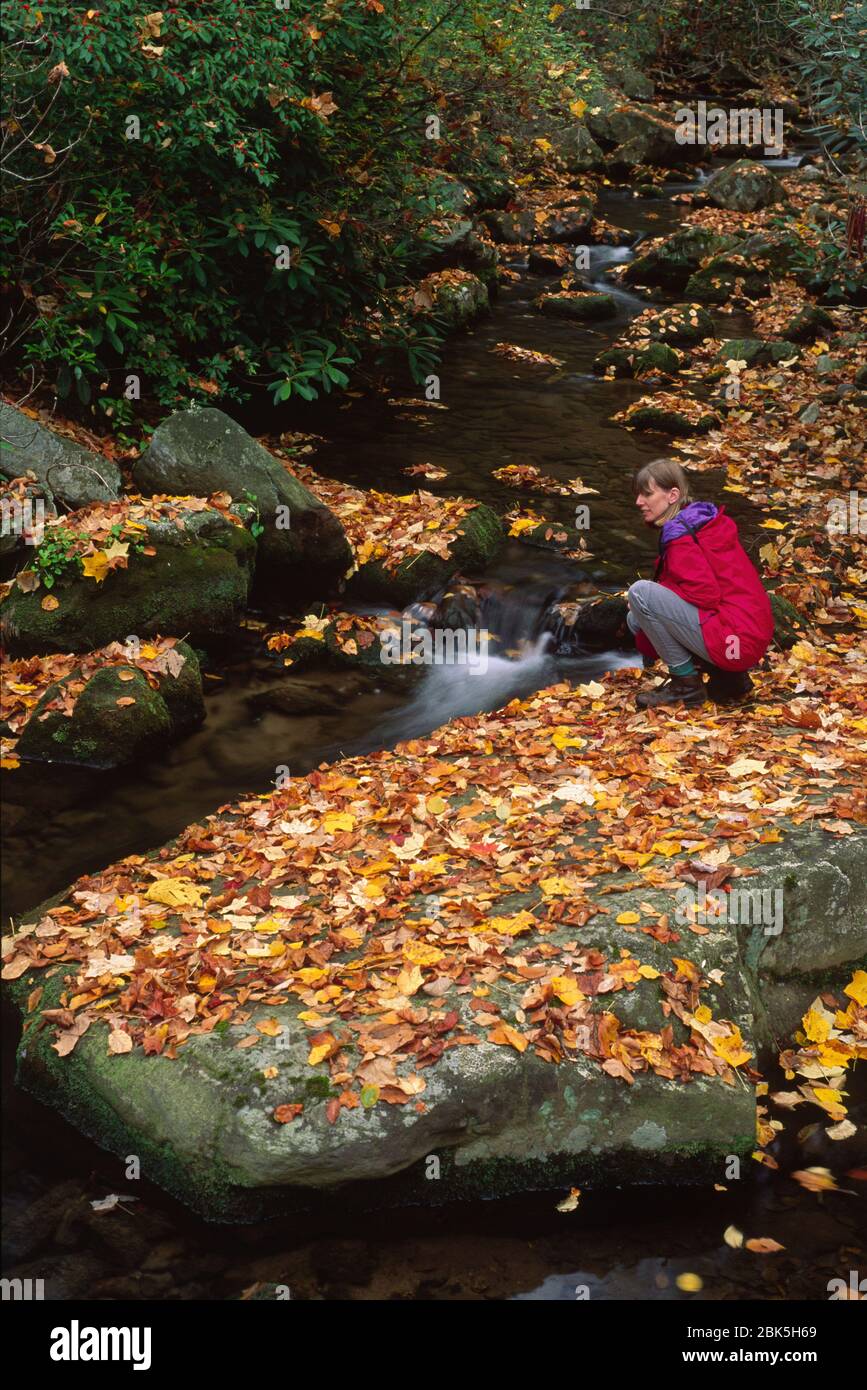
{"x": 686, "y": 570}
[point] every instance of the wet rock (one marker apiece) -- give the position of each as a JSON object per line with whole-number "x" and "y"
{"x": 724, "y": 275}
{"x": 29, "y": 1228}
{"x": 298, "y": 697}
{"x": 459, "y": 607}
{"x": 511, "y": 228}
{"x": 99, "y": 732}
{"x": 566, "y": 224}
{"x": 598, "y": 624}
{"x": 744, "y": 186}
{"x": 64, "y": 1277}
{"x": 73, "y": 475}
{"x": 424, "y": 573}
{"x": 808, "y": 324}
{"x": 639, "y": 361}
{"x": 670, "y": 263}
{"x": 756, "y": 351}
{"x": 683, "y": 325}
{"x": 196, "y": 583}
{"x": 200, "y": 452}
{"x": 587, "y": 306}
{"x": 549, "y": 260}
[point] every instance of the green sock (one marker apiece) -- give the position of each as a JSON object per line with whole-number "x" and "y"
{"x": 687, "y": 669}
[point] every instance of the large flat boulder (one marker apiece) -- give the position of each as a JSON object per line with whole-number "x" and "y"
{"x": 302, "y": 544}
{"x": 483, "y": 958}
{"x": 71, "y": 474}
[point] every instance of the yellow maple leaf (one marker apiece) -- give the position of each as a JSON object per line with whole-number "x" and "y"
{"x": 176, "y": 892}
{"x": 562, "y": 738}
{"x": 566, "y": 990}
{"x": 557, "y": 888}
{"x": 857, "y": 987}
{"x": 95, "y": 566}
{"x": 731, "y": 1048}
{"x": 410, "y": 981}
{"x": 420, "y": 953}
{"x": 578, "y": 108}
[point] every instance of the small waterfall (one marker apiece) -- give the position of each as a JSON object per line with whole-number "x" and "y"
{"x": 518, "y": 642}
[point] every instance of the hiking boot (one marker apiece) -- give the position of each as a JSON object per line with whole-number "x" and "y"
{"x": 677, "y": 690}
{"x": 727, "y": 687}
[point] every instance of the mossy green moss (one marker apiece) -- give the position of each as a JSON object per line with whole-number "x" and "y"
{"x": 197, "y": 583}
{"x": 102, "y": 733}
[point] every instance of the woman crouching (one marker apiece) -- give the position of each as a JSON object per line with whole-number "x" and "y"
{"x": 705, "y": 608}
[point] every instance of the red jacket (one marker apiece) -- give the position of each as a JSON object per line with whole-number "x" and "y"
{"x": 711, "y": 570}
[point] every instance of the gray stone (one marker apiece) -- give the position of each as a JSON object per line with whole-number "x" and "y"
{"x": 744, "y": 186}
{"x": 576, "y": 150}
{"x": 200, "y": 452}
{"x": 72, "y": 475}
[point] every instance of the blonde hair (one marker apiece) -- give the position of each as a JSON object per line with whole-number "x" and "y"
{"x": 666, "y": 474}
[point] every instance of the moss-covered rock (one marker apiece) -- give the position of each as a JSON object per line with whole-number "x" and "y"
{"x": 756, "y": 352}
{"x": 789, "y": 624}
{"x": 670, "y": 263}
{"x": 575, "y": 150}
{"x": 117, "y": 717}
{"x": 641, "y": 135}
{"x": 478, "y": 540}
{"x": 639, "y": 361}
{"x": 809, "y": 323}
{"x": 100, "y": 732}
{"x": 669, "y": 420}
{"x": 457, "y": 296}
{"x": 744, "y": 186}
{"x": 197, "y": 582}
{"x": 511, "y": 228}
{"x": 586, "y": 306}
{"x": 723, "y": 275}
{"x": 198, "y": 452}
{"x": 73, "y": 475}
{"x": 682, "y": 325}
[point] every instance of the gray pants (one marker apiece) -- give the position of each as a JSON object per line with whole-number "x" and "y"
{"x": 671, "y": 623}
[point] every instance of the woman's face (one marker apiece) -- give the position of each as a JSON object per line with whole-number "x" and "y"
{"x": 656, "y": 502}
